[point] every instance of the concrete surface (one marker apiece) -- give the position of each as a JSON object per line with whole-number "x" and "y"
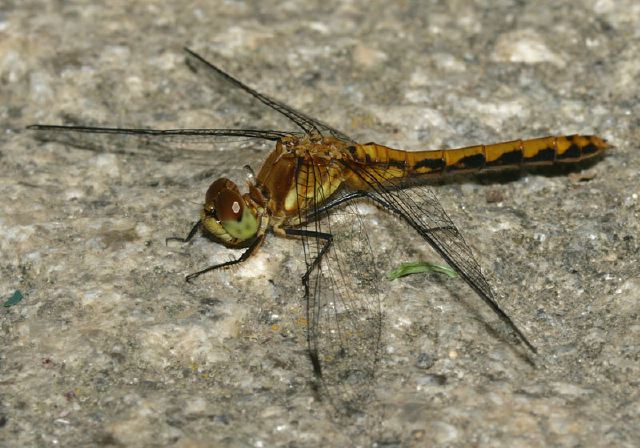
{"x": 110, "y": 347}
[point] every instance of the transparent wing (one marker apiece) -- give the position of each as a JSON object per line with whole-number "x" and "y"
{"x": 342, "y": 297}
{"x": 420, "y": 208}
{"x": 158, "y": 143}
{"x": 308, "y": 124}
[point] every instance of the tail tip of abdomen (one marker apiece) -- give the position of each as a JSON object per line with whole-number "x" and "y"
{"x": 593, "y": 146}
{"x": 600, "y": 143}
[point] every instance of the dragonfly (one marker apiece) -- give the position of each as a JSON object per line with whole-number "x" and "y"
{"x": 317, "y": 170}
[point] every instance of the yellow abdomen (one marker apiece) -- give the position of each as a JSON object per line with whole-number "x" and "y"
{"x": 387, "y": 163}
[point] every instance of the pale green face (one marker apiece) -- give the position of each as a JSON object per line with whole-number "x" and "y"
{"x": 226, "y": 215}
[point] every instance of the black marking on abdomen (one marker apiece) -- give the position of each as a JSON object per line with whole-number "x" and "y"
{"x": 589, "y": 149}
{"x": 474, "y": 162}
{"x": 544, "y": 155}
{"x": 573, "y": 152}
{"x": 402, "y": 164}
{"x": 431, "y": 164}
{"x": 511, "y": 158}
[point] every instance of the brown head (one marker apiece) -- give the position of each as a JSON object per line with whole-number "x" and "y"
{"x": 227, "y": 215}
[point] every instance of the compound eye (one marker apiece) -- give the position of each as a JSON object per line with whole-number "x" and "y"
{"x": 217, "y": 187}
{"x": 213, "y": 205}
{"x": 229, "y": 206}
{"x": 225, "y": 213}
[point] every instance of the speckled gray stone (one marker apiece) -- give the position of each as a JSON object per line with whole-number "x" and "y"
{"x": 111, "y": 347}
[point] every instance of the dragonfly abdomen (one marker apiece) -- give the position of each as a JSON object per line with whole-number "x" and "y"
{"x": 513, "y": 154}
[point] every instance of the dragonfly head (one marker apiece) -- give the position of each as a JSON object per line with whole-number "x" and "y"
{"x": 227, "y": 215}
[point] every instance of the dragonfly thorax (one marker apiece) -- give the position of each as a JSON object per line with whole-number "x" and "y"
{"x": 313, "y": 146}
{"x": 228, "y": 215}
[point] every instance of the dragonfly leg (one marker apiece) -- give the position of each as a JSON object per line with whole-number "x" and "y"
{"x": 188, "y": 238}
{"x": 245, "y": 256}
{"x": 311, "y": 340}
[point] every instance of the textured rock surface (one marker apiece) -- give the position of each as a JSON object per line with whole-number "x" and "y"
{"x": 111, "y": 347}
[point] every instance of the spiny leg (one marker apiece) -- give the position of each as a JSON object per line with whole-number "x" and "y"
{"x": 245, "y": 256}
{"x": 315, "y": 264}
{"x": 188, "y": 238}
